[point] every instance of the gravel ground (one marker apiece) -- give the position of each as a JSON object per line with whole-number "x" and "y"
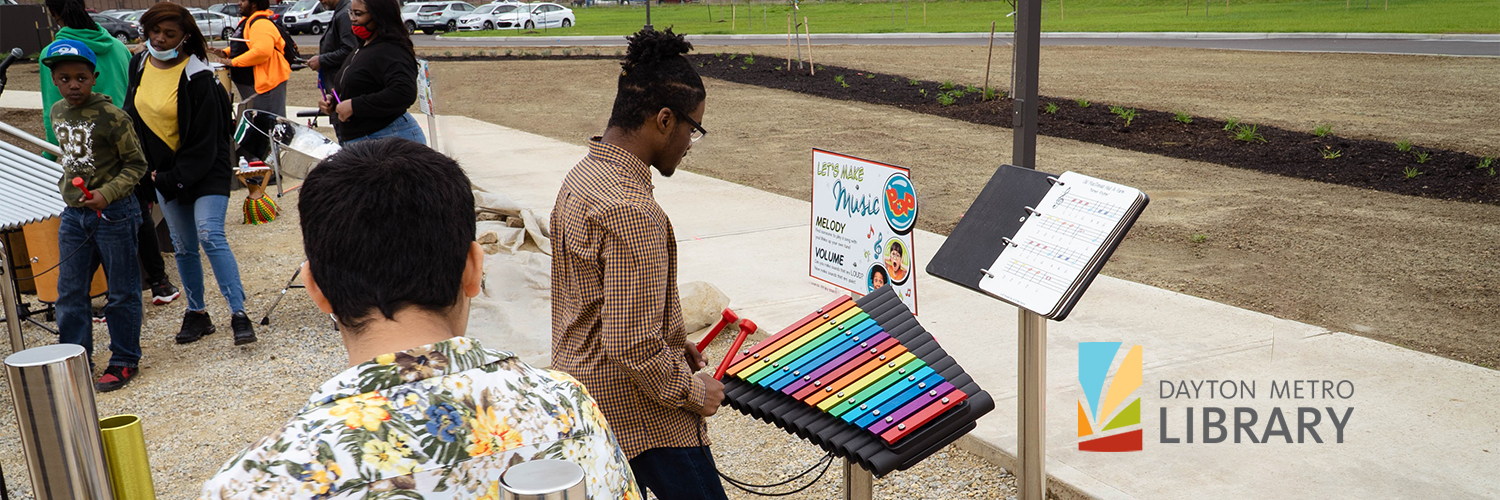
{"x": 200, "y": 403}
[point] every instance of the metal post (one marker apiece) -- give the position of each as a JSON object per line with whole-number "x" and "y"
{"x": 648, "y": 14}
{"x": 10, "y": 298}
{"x": 53, "y": 393}
{"x": 859, "y": 484}
{"x": 1031, "y": 475}
{"x": 1032, "y": 405}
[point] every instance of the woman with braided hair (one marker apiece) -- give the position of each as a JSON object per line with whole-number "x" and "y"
{"x": 616, "y": 320}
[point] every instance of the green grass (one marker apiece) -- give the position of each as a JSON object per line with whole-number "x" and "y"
{"x": 1404, "y": 16}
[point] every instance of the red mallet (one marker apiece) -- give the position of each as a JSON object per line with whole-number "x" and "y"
{"x": 78, "y": 183}
{"x": 729, "y": 317}
{"x": 747, "y": 327}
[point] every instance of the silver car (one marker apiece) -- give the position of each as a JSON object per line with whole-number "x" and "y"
{"x": 432, "y": 16}
{"x": 213, "y": 24}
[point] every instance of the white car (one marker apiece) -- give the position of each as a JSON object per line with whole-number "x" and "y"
{"x": 550, "y": 15}
{"x": 486, "y": 16}
{"x": 307, "y": 16}
{"x": 432, "y": 16}
{"x": 213, "y": 24}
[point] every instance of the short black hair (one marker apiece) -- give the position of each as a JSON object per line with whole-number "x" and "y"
{"x": 880, "y": 270}
{"x": 257, "y": 6}
{"x": 654, "y": 75}
{"x": 387, "y": 224}
{"x": 73, "y": 14}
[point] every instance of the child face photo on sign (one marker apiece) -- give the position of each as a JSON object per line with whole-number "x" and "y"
{"x": 897, "y": 260}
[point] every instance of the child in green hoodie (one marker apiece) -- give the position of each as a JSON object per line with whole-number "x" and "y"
{"x": 102, "y": 161}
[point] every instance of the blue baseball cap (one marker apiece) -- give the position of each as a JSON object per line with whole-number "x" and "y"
{"x": 69, "y": 50}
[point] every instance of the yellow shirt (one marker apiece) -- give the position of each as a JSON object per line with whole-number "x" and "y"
{"x": 156, "y": 101}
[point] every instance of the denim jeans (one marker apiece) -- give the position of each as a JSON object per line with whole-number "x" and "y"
{"x": 404, "y": 127}
{"x": 112, "y": 245}
{"x": 678, "y": 473}
{"x": 202, "y": 224}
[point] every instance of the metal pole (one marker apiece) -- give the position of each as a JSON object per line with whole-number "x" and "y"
{"x": 1031, "y": 427}
{"x": 53, "y": 393}
{"x": 859, "y": 484}
{"x": 987, "y": 57}
{"x": 1032, "y": 475}
{"x": 648, "y": 14}
{"x": 9, "y": 296}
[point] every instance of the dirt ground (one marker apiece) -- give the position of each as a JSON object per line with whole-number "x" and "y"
{"x": 1415, "y": 272}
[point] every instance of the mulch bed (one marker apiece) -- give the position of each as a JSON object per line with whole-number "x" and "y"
{"x": 1449, "y": 175}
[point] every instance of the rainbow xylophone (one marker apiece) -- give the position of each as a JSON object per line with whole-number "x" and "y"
{"x": 862, "y": 379}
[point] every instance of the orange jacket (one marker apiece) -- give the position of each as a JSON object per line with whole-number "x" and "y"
{"x": 265, "y": 51}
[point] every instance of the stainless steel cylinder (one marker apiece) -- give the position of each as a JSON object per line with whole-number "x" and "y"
{"x": 543, "y": 480}
{"x": 54, "y": 398}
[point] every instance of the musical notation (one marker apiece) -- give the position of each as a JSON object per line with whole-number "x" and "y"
{"x": 1058, "y": 242}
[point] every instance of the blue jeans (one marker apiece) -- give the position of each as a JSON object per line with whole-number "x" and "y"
{"x": 404, "y": 127}
{"x": 112, "y": 245}
{"x": 202, "y": 224}
{"x": 678, "y": 473}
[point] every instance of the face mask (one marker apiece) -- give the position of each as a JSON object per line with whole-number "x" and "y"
{"x": 163, "y": 55}
{"x": 361, "y": 32}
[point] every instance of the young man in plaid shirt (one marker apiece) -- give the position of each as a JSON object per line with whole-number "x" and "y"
{"x": 616, "y": 320}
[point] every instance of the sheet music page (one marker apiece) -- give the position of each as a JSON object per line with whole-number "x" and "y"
{"x": 1055, "y": 244}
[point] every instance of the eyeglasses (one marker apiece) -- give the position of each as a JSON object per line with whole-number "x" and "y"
{"x": 697, "y": 132}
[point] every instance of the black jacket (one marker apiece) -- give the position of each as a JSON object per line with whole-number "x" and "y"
{"x": 381, "y": 79}
{"x": 202, "y": 164}
{"x": 337, "y": 43}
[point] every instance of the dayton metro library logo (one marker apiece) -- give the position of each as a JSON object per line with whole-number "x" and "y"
{"x": 1094, "y": 360}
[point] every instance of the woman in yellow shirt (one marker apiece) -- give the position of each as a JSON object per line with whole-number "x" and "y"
{"x": 182, "y": 116}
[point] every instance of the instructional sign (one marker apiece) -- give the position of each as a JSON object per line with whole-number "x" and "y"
{"x": 863, "y": 213}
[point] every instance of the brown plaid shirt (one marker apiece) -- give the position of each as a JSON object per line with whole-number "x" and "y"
{"x": 616, "y": 320}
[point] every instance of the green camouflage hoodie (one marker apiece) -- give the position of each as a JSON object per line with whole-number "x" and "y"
{"x": 98, "y": 144}
{"x": 113, "y": 68}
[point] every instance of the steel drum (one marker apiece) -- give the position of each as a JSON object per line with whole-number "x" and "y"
{"x": 293, "y": 149}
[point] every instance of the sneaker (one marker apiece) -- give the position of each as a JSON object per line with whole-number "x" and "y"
{"x": 194, "y": 326}
{"x": 99, "y": 315}
{"x": 115, "y": 377}
{"x": 243, "y": 333}
{"x": 163, "y": 293}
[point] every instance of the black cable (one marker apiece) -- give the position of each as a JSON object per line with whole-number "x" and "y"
{"x": 70, "y": 254}
{"x": 826, "y": 462}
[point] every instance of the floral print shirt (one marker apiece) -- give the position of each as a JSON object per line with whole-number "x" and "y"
{"x": 441, "y": 421}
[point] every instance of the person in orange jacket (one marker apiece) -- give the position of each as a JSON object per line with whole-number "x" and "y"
{"x": 257, "y": 67}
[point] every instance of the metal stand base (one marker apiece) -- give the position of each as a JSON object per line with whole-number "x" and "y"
{"x": 290, "y": 284}
{"x": 859, "y": 484}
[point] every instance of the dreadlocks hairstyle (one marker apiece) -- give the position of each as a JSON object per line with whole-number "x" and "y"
{"x": 655, "y": 75}
{"x": 72, "y": 13}
{"x": 386, "y": 17}
{"x": 192, "y": 42}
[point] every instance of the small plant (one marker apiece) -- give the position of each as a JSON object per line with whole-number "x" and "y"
{"x": 1422, "y": 156}
{"x": 1322, "y": 130}
{"x": 818, "y": 67}
{"x": 1248, "y": 133}
{"x": 749, "y": 60}
{"x": 970, "y": 89}
{"x": 946, "y": 99}
{"x": 567, "y": 52}
{"x": 913, "y": 82}
{"x": 1329, "y": 153}
{"x": 619, "y": 53}
{"x": 1127, "y": 114}
{"x": 991, "y": 94}
{"x": 1485, "y": 163}
{"x": 1182, "y": 117}
{"x": 1051, "y": 109}
{"x": 447, "y": 53}
{"x": 1231, "y": 123}
{"x": 547, "y": 53}
{"x": 923, "y": 92}
{"x": 507, "y": 52}
{"x": 947, "y": 85}
{"x": 718, "y": 55}
{"x": 956, "y": 93}
{"x": 732, "y": 56}
{"x": 1198, "y": 238}
{"x": 1082, "y": 103}
{"x": 778, "y": 67}
{"x": 1411, "y": 172}
{"x": 747, "y": 67}
{"x": 841, "y": 82}
{"x": 1403, "y": 145}
{"x": 869, "y": 76}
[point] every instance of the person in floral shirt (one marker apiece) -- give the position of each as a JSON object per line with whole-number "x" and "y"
{"x": 422, "y": 412}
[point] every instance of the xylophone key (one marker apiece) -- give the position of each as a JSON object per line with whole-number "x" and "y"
{"x": 876, "y": 337}
{"x": 894, "y": 403}
{"x": 832, "y": 373}
{"x": 880, "y": 359}
{"x": 922, "y": 416}
{"x": 862, "y": 396}
{"x": 883, "y": 368}
{"x": 871, "y": 402}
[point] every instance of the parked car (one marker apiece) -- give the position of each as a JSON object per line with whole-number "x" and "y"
{"x": 486, "y": 16}
{"x": 514, "y": 18}
{"x": 114, "y": 26}
{"x": 307, "y": 16}
{"x": 228, "y": 9}
{"x": 432, "y": 16}
{"x": 277, "y": 10}
{"x": 133, "y": 17}
{"x": 550, "y": 15}
{"x": 213, "y": 24}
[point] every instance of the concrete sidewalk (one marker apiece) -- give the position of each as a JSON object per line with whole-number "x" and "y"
{"x": 1421, "y": 426}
